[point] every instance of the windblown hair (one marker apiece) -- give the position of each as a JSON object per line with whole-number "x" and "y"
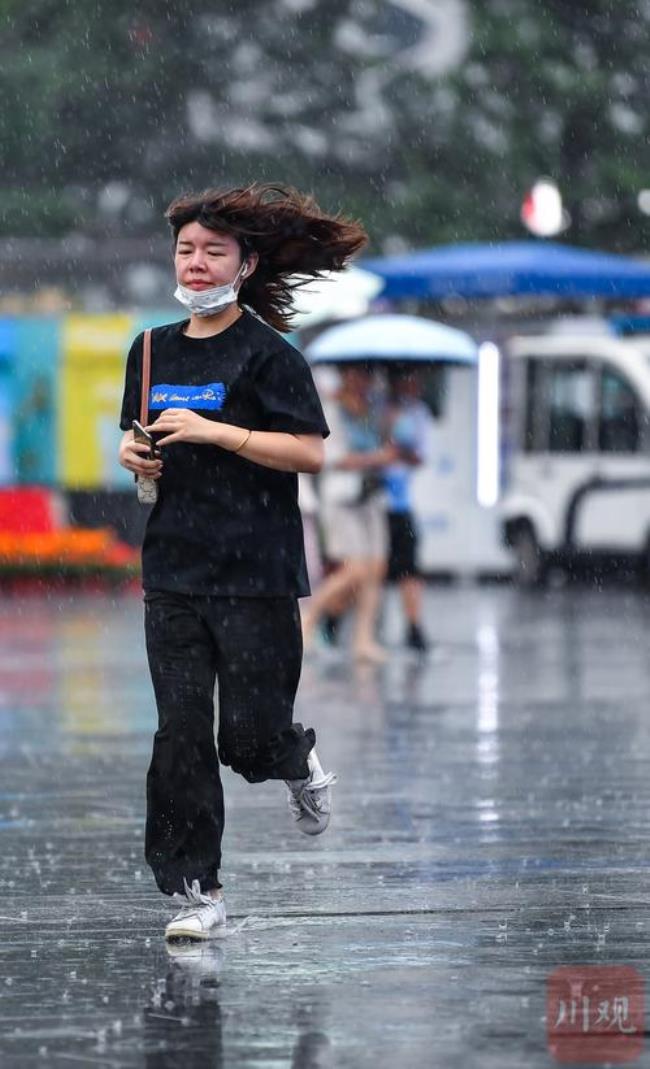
{"x": 288, "y": 231}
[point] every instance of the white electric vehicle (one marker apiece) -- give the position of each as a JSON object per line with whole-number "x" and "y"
{"x": 576, "y": 452}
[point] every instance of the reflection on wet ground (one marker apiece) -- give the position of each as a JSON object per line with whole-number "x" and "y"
{"x": 491, "y": 825}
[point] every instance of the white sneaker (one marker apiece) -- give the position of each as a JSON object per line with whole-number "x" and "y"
{"x": 310, "y": 800}
{"x": 200, "y": 917}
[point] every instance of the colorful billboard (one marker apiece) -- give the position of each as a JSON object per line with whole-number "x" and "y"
{"x": 94, "y": 349}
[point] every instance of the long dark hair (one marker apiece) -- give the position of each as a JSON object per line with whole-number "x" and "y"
{"x": 288, "y": 231}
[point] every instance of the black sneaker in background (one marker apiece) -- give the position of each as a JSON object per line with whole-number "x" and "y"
{"x": 416, "y": 640}
{"x": 330, "y": 629}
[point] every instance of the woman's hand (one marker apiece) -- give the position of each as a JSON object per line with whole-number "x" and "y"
{"x": 135, "y": 457}
{"x": 184, "y": 425}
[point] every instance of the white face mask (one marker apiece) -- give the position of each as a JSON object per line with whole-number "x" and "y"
{"x": 209, "y": 302}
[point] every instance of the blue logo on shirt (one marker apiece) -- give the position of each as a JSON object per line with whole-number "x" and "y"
{"x": 210, "y": 396}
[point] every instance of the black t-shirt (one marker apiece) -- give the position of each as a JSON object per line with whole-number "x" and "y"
{"x": 222, "y": 524}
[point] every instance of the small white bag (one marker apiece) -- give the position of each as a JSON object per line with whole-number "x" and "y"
{"x": 147, "y": 490}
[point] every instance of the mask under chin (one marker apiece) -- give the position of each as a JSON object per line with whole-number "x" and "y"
{"x": 206, "y": 302}
{"x": 209, "y": 302}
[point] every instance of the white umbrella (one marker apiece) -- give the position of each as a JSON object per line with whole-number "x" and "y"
{"x": 337, "y": 295}
{"x": 392, "y": 338}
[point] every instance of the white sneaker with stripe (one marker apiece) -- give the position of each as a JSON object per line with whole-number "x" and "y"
{"x": 200, "y": 916}
{"x": 310, "y": 800}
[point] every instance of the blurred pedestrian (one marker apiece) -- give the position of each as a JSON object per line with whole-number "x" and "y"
{"x": 353, "y": 512}
{"x": 308, "y": 505}
{"x": 326, "y": 381}
{"x": 409, "y": 425}
{"x": 234, "y": 410}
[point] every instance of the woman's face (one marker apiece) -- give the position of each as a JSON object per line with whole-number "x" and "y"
{"x": 356, "y": 384}
{"x": 205, "y": 258}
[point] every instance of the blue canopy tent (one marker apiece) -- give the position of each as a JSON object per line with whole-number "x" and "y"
{"x": 526, "y": 268}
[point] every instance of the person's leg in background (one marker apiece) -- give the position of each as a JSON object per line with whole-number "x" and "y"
{"x": 375, "y": 540}
{"x": 338, "y": 608}
{"x": 354, "y": 535}
{"x": 403, "y": 570}
{"x": 364, "y": 643}
{"x": 411, "y": 588}
{"x": 339, "y": 588}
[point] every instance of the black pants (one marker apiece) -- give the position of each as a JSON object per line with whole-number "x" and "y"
{"x": 253, "y": 648}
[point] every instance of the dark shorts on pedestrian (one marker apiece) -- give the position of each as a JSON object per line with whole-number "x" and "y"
{"x": 402, "y": 562}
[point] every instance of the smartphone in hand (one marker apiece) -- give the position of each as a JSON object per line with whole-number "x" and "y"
{"x": 141, "y": 435}
{"x": 146, "y": 487}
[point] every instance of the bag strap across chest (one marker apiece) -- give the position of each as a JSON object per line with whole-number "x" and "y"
{"x": 146, "y": 378}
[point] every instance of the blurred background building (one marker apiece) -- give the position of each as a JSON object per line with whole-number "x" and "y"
{"x": 430, "y": 119}
{"x": 437, "y": 122}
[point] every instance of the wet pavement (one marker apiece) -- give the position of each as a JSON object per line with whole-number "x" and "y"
{"x": 491, "y": 825}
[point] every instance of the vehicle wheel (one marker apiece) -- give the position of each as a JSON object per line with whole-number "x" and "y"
{"x": 644, "y": 565}
{"x": 531, "y": 564}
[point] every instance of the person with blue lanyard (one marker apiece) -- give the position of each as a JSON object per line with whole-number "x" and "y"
{"x": 409, "y": 422}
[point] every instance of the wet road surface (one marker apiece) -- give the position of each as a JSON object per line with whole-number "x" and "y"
{"x": 491, "y": 825}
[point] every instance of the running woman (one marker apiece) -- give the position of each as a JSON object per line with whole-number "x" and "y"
{"x": 234, "y": 411}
